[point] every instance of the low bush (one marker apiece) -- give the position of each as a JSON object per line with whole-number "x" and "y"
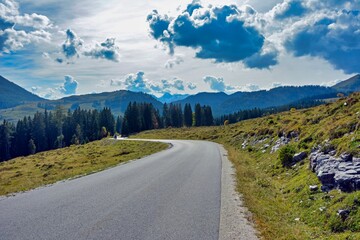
{"x": 286, "y": 155}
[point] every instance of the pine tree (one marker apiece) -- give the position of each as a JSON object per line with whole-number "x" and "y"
{"x": 31, "y": 147}
{"x": 166, "y": 116}
{"x": 198, "y": 115}
{"x": 147, "y": 116}
{"x": 38, "y": 132}
{"x": 59, "y": 142}
{"x": 209, "y": 119}
{"x": 107, "y": 120}
{"x": 125, "y": 131}
{"x": 118, "y": 124}
{"x": 104, "y": 132}
{"x": 188, "y": 121}
{"x": 5, "y": 141}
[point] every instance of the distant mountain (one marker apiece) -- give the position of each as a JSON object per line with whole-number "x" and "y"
{"x": 168, "y": 98}
{"x": 16, "y": 102}
{"x": 12, "y": 95}
{"x": 350, "y": 85}
{"x": 117, "y": 101}
{"x": 225, "y": 104}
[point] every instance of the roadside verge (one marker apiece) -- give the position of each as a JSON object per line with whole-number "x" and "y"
{"x": 234, "y": 216}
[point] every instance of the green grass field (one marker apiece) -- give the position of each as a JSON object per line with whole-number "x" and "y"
{"x": 279, "y": 198}
{"x": 25, "y": 173}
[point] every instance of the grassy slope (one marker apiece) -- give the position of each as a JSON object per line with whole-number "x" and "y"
{"x": 26, "y": 173}
{"x": 280, "y": 199}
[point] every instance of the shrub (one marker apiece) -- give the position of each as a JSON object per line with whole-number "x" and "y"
{"x": 286, "y": 155}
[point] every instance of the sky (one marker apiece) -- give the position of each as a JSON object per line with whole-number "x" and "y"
{"x": 60, "y": 48}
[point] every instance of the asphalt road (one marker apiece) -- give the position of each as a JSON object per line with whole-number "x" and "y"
{"x": 174, "y": 194}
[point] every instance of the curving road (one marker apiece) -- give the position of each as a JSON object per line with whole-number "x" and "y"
{"x": 174, "y": 194}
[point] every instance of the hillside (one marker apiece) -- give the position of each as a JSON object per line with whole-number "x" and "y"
{"x": 222, "y": 103}
{"x": 295, "y": 201}
{"x": 350, "y": 85}
{"x": 117, "y": 101}
{"x": 12, "y": 95}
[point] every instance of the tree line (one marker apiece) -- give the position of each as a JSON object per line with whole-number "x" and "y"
{"x": 143, "y": 116}
{"x": 51, "y": 130}
{"x": 257, "y": 112}
{"x": 60, "y": 128}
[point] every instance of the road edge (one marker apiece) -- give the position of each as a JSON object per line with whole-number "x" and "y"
{"x": 234, "y": 216}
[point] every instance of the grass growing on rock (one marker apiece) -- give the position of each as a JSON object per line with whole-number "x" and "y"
{"x": 279, "y": 197}
{"x": 25, "y": 173}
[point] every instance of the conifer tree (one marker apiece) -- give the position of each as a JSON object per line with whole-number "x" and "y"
{"x": 198, "y": 115}
{"x": 188, "y": 121}
{"x": 118, "y": 124}
{"x": 31, "y": 147}
{"x": 5, "y": 141}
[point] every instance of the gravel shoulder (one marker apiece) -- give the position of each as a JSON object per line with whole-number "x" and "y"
{"x": 234, "y": 216}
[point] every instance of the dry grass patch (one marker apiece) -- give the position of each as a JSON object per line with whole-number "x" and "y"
{"x": 25, "y": 173}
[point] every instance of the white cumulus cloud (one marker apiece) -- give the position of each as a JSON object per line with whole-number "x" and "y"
{"x": 70, "y": 85}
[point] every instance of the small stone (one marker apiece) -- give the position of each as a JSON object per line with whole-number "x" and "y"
{"x": 332, "y": 153}
{"x": 326, "y": 178}
{"x": 313, "y": 188}
{"x": 351, "y": 172}
{"x": 299, "y": 156}
{"x": 356, "y": 161}
{"x": 343, "y": 213}
{"x": 297, "y": 219}
{"x": 326, "y": 188}
{"x": 346, "y": 157}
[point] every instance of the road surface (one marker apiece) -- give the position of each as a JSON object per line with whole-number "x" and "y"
{"x": 174, "y": 194}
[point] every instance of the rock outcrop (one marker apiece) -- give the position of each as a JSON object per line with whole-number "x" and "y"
{"x": 342, "y": 172}
{"x": 284, "y": 140}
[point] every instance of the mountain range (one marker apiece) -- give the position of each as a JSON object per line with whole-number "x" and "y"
{"x": 16, "y": 102}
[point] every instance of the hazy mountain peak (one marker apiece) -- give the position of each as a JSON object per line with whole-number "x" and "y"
{"x": 350, "y": 85}
{"x": 13, "y": 95}
{"x": 168, "y": 97}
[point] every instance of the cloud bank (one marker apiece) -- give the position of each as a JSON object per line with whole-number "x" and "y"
{"x": 137, "y": 82}
{"x": 74, "y": 46}
{"x": 105, "y": 50}
{"x": 176, "y": 60}
{"x": 217, "y": 33}
{"x": 323, "y": 29}
{"x": 18, "y": 30}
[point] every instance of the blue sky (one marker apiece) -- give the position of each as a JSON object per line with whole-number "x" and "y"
{"x": 59, "y": 48}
